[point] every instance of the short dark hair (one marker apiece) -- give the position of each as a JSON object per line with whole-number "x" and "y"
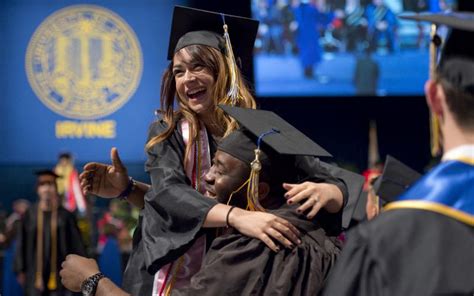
{"x": 460, "y": 103}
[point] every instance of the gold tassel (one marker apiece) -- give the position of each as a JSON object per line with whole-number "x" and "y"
{"x": 253, "y": 203}
{"x": 434, "y": 121}
{"x": 39, "y": 250}
{"x": 233, "y": 93}
{"x": 52, "y": 285}
{"x": 52, "y": 282}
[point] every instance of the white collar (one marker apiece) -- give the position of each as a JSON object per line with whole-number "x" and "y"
{"x": 463, "y": 151}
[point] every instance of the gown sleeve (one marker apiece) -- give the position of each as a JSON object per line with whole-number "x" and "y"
{"x": 357, "y": 271}
{"x": 19, "y": 261}
{"x": 174, "y": 212}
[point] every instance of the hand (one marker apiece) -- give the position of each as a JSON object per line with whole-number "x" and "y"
{"x": 105, "y": 180}
{"x": 75, "y": 270}
{"x": 265, "y": 226}
{"x": 313, "y": 197}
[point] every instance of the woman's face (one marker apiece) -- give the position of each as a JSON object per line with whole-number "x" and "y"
{"x": 194, "y": 83}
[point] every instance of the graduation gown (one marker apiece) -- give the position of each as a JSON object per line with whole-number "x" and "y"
{"x": 422, "y": 245}
{"x": 69, "y": 241}
{"x": 174, "y": 211}
{"x": 240, "y": 265}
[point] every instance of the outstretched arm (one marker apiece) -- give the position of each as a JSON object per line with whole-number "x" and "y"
{"x": 76, "y": 269}
{"x": 109, "y": 181}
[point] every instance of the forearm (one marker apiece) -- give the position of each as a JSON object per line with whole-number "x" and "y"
{"x": 137, "y": 196}
{"x": 107, "y": 288}
{"x": 216, "y": 217}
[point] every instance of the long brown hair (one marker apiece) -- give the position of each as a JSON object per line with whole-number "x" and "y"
{"x": 215, "y": 62}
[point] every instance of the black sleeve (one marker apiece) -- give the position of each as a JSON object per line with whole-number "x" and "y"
{"x": 174, "y": 212}
{"x": 75, "y": 244}
{"x": 20, "y": 248}
{"x": 356, "y": 271}
{"x": 316, "y": 172}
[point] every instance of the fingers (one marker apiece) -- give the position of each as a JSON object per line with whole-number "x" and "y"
{"x": 293, "y": 189}
{"x": 91, "y": 166}
{"x": 272, "y": 232}
{"x": 300, "y": 196}
{"x": 116, "y": 162}
{"x": 314, "y": 210}
{"x": 269, "y": 242}
{"x": 289, "y": 233}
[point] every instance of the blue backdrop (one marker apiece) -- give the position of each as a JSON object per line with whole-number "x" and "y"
{"x": 29, "y": 128}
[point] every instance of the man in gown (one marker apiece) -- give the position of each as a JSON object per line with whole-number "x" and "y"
{"x": 47, "y": 234}
{"x": 240, "y": 265}
{"x": 423, "y": 243}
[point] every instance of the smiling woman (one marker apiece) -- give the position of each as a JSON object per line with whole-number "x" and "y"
{"x": 171, "y": 238}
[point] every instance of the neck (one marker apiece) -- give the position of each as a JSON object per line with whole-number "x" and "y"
{"x": 454, "y": 136}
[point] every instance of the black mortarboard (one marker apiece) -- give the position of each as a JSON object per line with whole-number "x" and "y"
{"x": 66, "y": 155}
{"x": 354, "y": 183}
{"x": 395, "y": 179}
{"x": 46, "y": 172}
{"x": 456, "y": 63}
{"x": 261, "y": 130}
{"x": 286, "y": 140}
{"x": 194, "y": 26}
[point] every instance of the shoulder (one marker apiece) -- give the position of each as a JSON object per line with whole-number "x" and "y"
{"x": 157, "y": 127}
{"x": 396, "y": 229}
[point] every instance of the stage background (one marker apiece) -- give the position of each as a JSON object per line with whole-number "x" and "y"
{"x": 27, "y": 126}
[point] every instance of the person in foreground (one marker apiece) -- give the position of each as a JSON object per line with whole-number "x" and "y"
{"x": 177, "y": 221}
{"x": 423, "y": 243}
{"x": 237, "y": 264}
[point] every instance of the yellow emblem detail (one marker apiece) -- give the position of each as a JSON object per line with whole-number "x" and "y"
{"x": 84, "y": 62}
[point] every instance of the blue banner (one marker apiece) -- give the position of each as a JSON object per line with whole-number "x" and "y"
{"x": 80, "y": 77}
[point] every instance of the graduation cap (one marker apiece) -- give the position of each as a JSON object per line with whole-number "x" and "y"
{"x": 456, "y": 63}
{"x": 192, "y": 26}
{"x": 265, "y": 140}
{"x": 46, "y": 172}
{"x": 285, "y": 140}
{"x": 395, "y": 179}
{"x": 355, "y": 183}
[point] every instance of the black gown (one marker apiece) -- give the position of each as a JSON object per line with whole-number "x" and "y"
{"x": 239, "y": 265}
{"x": 69, "y": 242}
{"x": 406, "y": 252}
{"x": 174, "y": 212}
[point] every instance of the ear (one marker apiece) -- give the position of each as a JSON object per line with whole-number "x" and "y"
{"x": 263, "y": 190}
{"x": 435, "y": 98}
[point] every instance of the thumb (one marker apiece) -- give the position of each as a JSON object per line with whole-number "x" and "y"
{"x": 116, "y": 162}
{"x": 288, "y": 186}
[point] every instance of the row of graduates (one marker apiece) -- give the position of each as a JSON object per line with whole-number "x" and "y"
{"x": 259, "y": 236}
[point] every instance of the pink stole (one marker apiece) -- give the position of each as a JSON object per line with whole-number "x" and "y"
{"x": 178, "y": 274}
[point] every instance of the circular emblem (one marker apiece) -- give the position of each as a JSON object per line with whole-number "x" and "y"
{"x": 84, "y": 62}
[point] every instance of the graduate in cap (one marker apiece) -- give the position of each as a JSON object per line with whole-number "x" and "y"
{"x": 248, "y": 169}
{"x": 48, "y": 233}
{"x": 171, "y": 239}
{"x": 423, "y": 242}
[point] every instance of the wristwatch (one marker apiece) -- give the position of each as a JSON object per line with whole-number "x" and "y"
{"x": 89, "y": 286}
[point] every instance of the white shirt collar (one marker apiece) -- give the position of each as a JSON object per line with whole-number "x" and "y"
{"x": 463, "y": 151}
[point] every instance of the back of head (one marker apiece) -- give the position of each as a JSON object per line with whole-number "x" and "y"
{"x": 456, "y": 75}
